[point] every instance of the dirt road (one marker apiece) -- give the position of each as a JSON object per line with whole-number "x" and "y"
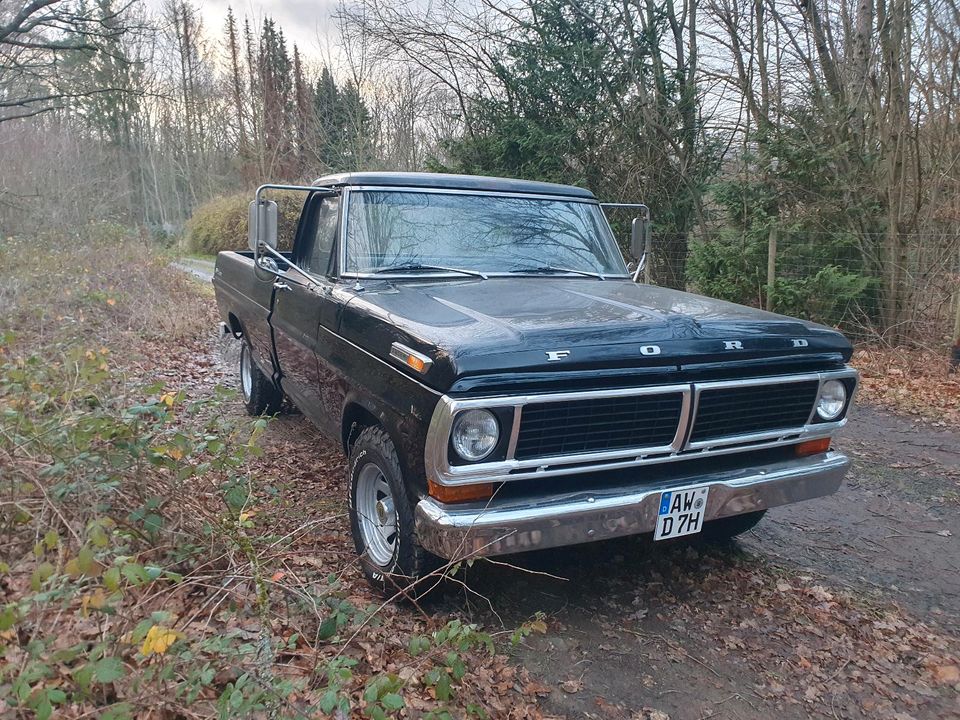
{"x": 737, "y": 632}
{"x": 846, "y": 606}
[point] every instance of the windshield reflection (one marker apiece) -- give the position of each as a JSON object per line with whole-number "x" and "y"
{"x": 482, "y": 233}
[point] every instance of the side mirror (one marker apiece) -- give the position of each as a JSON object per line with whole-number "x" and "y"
{"x": 639, "y": 234}
{"x": 264, "y": 231}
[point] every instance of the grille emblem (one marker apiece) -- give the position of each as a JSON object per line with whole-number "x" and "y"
{"x": 554, "y": 355}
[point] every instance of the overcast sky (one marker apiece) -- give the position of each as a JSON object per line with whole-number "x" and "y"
{"x": 308, "y": 23}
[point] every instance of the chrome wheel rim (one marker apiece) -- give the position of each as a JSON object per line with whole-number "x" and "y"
{"x": 246, "y": 373}
{"x": 376, "y": 515}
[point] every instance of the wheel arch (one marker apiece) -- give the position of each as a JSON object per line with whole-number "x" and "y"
{"x": 357, "y": 416}
{"x": 233, "y": 322}
{"x": 360, "y": 412}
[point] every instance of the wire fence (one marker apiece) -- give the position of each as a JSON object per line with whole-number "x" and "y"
{"x": 831, "y": 278}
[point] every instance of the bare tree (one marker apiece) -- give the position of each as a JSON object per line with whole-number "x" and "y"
{"x": 44, "y": 45}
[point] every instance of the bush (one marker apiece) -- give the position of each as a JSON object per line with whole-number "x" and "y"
{"x": 729, "y": 267}
{"x": 814, "y": 278}
{"x": 221, "y": 223}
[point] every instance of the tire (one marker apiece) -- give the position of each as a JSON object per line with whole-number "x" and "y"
{"x": 725, "y": 529}
{"x": 260, "y": 395}
{"x": 381, "y": 518}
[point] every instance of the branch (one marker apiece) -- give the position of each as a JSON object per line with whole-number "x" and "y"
{"x": 17, "y": 25}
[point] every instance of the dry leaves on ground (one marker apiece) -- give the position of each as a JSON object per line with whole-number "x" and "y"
{"x": 914, "y": 382}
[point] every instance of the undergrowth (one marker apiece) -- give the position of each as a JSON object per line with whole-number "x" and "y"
{"x": 137, "y": 576}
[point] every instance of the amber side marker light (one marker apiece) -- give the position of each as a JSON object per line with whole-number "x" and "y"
{"x": 411, "y": 358}
{"x": 416, "y": 363}
{"x": 459, "y": 493}
{"x": 812, "y": 447}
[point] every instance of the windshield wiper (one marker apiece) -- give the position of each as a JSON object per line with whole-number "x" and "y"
{"x": 550, "y": 270}
{"x": 417, "y": 267}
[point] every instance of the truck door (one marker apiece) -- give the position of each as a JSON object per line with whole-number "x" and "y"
{"x": 301, "y": 301}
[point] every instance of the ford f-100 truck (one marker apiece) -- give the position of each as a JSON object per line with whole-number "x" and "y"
{"x": 500, "y": 382}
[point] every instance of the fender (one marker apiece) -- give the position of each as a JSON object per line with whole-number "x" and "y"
{"x": 407, "y": 430}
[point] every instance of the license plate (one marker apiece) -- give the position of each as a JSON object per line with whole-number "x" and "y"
{"x": 681, "y": 513}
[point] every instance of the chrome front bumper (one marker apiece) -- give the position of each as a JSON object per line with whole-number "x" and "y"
{"x": 510, "y": 526}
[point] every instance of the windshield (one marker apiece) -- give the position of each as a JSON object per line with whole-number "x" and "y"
{"x": 400, "y": 231}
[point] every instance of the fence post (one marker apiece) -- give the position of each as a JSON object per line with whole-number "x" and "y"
{"x": 771, "y": 265}
{"x": 955, "y": 353}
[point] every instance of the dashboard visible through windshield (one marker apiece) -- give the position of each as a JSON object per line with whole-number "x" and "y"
{"x": 410, "y": 232}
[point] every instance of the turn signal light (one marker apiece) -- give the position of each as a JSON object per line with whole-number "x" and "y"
{"x": 410, "y": 357}
{"x": 812, "y": 447}
{"x": 416, "y": 363}
{"x": 459, "y": 493}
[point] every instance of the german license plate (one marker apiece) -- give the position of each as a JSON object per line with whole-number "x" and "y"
{"x": 681, "y": 513}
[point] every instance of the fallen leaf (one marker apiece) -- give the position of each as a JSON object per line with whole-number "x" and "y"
{"x": 946, "y": 675}
{"x": 158, "y": 640}
{"x": 572, "y": 686}
{"x": 651, "y": 714}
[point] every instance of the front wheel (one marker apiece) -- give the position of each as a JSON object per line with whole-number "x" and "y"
{"x": 381, "y": 517}
{"x": 260, "y": 395}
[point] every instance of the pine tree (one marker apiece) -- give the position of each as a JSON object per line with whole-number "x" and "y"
{"x": 236, "y": 83}
{"x": 304, "y": 114}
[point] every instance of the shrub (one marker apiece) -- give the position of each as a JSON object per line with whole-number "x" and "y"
{"x": 221, "y": 223}
{"x": 815, "y": 279}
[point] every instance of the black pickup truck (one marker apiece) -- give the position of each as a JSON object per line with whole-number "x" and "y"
{"x": 500, "y": 383}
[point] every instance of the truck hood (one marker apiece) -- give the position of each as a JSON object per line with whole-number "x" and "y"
{"x": 509, "y": 325}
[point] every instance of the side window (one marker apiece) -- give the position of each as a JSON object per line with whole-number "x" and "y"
{"x": 316, "y": 260}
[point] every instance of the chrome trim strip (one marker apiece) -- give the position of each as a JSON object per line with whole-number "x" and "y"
{"x": 400, "y": 353}
{"x": 442, "y": 472}
{"x": 438, "y": 466}
{"x": 514, "y": 432}
{"x": 820, "y": 378}
{"x": 484, "y": 193}
{"x": 514, "y": 525}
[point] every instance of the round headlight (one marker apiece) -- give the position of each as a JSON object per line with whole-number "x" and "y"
{"x": 833, "y": 398}
{"x": 475, "y": 434}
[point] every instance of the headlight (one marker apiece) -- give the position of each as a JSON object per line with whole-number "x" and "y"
{"x": 833, "y": 399}
{"x": 475, "y": 434}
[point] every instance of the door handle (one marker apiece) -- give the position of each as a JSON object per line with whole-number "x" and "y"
{"x": 281, "y": 286}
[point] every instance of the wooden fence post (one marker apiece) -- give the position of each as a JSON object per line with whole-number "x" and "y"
{"x": 771, "y": 265}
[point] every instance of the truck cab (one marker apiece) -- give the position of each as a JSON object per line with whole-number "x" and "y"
{"x": 500, "y": 382}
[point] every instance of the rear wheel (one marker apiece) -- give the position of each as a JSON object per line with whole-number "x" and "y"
{"x": 381, "y": 517}
{"x": 260, "y": 395}
{"x": 729, "y": 527}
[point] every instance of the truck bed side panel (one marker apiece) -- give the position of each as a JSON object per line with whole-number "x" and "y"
{"x": 241, "y": 294}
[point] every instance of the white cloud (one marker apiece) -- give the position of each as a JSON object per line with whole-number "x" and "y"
{"x": 308, "y": 23}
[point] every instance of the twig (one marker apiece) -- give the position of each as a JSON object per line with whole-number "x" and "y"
{"x": 673, "y": 646}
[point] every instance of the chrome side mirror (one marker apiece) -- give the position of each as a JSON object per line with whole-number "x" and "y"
{"x": 639, "y": 233}
{"x": 262, "y": 225}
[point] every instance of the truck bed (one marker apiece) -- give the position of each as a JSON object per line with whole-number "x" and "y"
{"x": 244, "y": 299}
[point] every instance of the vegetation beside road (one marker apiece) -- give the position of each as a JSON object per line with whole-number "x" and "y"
{"x": 164, "y": 552}
{"x": 151, "y": 559}
{"x": 914, "y": 382}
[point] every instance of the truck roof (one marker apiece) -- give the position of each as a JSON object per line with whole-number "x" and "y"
{"x": 453, "y": 182}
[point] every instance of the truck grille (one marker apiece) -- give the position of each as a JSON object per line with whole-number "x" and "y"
{"x": 754, "y": 409}
{"x": 597, "y": 424}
